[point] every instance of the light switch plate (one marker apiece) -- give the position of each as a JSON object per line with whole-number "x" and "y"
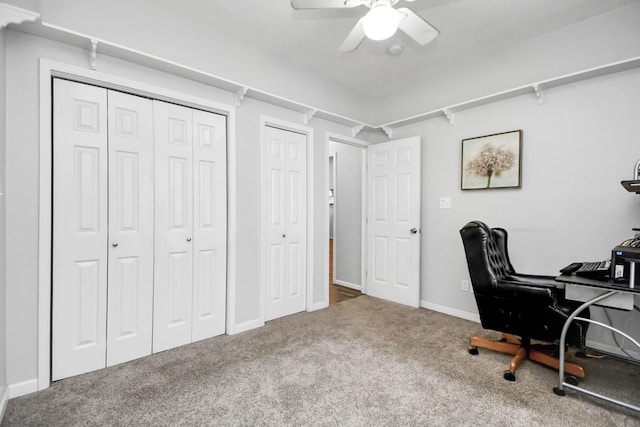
{"x": 445, "y": 202}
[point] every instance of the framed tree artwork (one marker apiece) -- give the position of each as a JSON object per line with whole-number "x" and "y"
{"x": 492, "y": 161}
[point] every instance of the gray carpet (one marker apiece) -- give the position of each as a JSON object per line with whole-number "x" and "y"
{"x": 360, "y": 362}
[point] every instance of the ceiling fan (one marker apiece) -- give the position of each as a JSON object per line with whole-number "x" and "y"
{"x": 381, "y": 21}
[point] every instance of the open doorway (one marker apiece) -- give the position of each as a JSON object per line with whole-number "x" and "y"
{"x": 346, "y": 215}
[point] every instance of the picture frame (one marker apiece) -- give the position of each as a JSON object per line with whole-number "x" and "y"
{"x": 492, "y": 161}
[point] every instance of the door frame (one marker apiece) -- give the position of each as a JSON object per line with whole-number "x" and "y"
{"x": 50, "y": 69}
{"x": 308, "y": 132}
{"x": 330, "y": 136}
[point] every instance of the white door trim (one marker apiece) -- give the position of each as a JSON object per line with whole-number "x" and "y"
{"x": 330, "y": 136}
{"x": 49, "y": 69}
{"x": 308, "y": 131}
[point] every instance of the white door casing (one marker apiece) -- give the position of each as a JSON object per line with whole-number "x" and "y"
{"x": 286, "y": 222}
{"x": 80, "y": 229}
{"x": 393, "y": 229}
{"x": 130, "y": 200}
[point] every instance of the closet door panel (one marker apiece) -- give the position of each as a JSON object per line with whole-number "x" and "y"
{"x": 276, "y": 221}
{"x": 286, "y": 213}
{"x": 173, "y": 268}
{"x": 210, "y": 224}
{"x": 79, "y": 229}
{"x": 130, "y": 290}
{"x": 296, "y": 219}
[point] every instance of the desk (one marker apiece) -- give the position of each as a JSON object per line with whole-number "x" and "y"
{"x": 606, "y": 289}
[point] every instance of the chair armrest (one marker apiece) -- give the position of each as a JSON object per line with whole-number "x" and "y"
{"x": 531, "y": 290}
{"x": 537, "y": 280}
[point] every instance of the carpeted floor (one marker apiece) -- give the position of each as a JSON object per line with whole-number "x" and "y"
{"x": 361, "y": 362}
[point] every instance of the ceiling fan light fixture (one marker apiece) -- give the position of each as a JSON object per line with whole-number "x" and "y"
{"x": 381, "y": 22}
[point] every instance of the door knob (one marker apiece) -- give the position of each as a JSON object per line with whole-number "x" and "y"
{"x": 114, "y": 244}
{"x": 413, "y": 230}
{"x": 284, "y": 235}
{"x": 188, "y": 239}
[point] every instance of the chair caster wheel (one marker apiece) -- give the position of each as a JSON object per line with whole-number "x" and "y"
{"x": 509, "y": 376}
{"x": 559, "y": 392}
{"x": 570, "y": 379}
{"x": 473, "y": 351}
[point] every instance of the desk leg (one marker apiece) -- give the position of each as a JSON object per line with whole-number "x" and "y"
{"x": 563, "y": 338}
{"x": 561, "y": 382}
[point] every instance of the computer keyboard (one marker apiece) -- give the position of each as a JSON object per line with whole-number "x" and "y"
{"x": 595, "y": 268}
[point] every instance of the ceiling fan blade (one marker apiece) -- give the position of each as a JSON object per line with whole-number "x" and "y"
{"x": 416, "y": 27}
{"x": 325, "y": 4}
{"x": 354, "y": 38}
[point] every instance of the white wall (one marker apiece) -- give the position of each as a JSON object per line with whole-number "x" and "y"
{"x": 577, "y": 147}
{"x": 169, "y": 34}
{"x": 347, "y": 243}
{"x": 604, "y": 39}
{"x": 3, "y": 299}
{"x": 164, "y": 32}
{"x": 22, "y": 172}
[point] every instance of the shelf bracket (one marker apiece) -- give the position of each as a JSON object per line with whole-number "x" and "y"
{"x": 388, "y": 131}
{"x": 93, "y": 55}
{"x": 449, "y": 114}
{"x": 308, "y": 115}
{"x": 240, "y": 94}
{"x": 356, "y": 130}
{"x": 539, "y": 93}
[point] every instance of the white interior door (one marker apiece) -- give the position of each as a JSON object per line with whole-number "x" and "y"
{"x": 79, "y": 229}
{"x": 393, "y": 230}
{"x": 130, "y": 245}
{"x": 173, "y": 294}
{"x": 210, "y": 225}
{"x": 285, "y": 222}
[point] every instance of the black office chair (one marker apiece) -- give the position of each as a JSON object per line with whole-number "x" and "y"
{"x": 518, "y": 305}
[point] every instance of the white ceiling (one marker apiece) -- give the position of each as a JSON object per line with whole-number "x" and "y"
{"x": 309, "y": 39}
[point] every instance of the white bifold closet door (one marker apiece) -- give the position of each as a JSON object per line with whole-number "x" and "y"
{"x": 190, "y": 233}
{"x": 139, "y": 227}
{"x": 103, "y": 228}
{"x": 286, "y": 222}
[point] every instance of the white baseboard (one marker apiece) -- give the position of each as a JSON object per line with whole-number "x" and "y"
{"x": 474, "y": 317}
{"x": 4, "y": 398}
{"x": 246, "y": 326}
{"x": 347, "y": 284}
{"x": 25, "y": 387}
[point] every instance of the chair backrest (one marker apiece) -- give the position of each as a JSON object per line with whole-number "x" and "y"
{"x": 487, "y": 256}
{"x": 500, "y": 236}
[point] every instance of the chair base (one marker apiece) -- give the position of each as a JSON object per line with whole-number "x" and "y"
{"x": 509, "y": 344}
